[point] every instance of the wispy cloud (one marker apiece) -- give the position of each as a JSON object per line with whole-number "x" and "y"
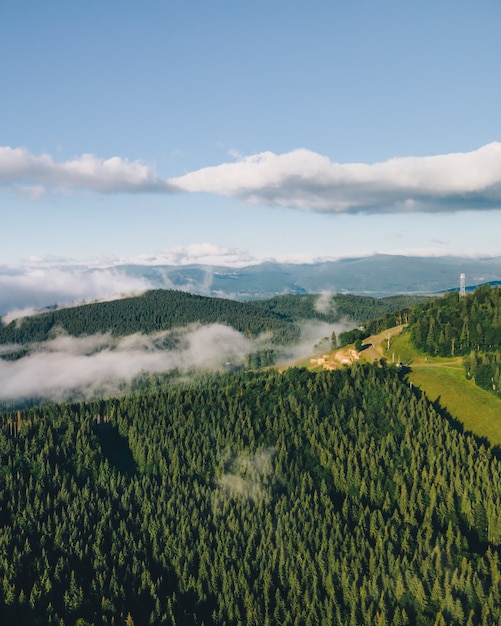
{"x": 248, "y": 479}
{"x": 65, "y": 366}
{"x": 325, "y": 303}
{"x": 42, "y": 282}
{"x": 308, "y": 181}
{"x": 34, "y": 175}
{"x": 197, "y": 254}
{"x": 38, "y": 285}
{"x": 312, "y": 331}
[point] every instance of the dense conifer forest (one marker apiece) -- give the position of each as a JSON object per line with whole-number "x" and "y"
{"x": 153, "y": 311}
{"x": 469, "y": 326}
{"x": 253, "y": 498}
{"x": 258, "y": 497}
{"x": 159, "y": 310}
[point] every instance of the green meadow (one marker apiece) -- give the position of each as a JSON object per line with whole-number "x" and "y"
{"x": 444, "y": 380}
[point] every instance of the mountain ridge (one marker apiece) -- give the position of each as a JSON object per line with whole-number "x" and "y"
{"x": 377, "y": 275}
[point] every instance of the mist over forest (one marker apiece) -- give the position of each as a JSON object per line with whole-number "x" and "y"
{"x": 99, "y": 349}
{"x": 158, "y": 467}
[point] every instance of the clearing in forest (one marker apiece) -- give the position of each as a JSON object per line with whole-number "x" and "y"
{"x": 443, "y": 380}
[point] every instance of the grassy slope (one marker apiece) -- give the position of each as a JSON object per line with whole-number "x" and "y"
{"x": 444, "y": 380}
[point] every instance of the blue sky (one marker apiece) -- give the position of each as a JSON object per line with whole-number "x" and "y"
{"x": 200, "y": 130}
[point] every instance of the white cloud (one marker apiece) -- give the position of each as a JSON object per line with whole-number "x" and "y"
{"x": 66, "y": 365}
{"x": 300, "y": 179}
{"x": 38, "y": 285}
{"x": 196, "y": 254}
{"x": 19, "y": 314}
{"x": 76, "y": 346}
{"x": 34, "y": 175}
{"x": 249, "y": 478}
{"x": 324, "y": 303}
{"x": 312, "y": 331}
{"x": 308, "y": 181}
{"x": 40, "y": 282}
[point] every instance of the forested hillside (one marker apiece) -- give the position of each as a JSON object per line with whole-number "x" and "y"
{"x": 166, "y": 309}
{"x": 152, "y": 312}
{"x": 252, "y": 498}
{"x": 469, "y": 326}
{"x": 335, "y": 308}
{"x": 107, "y": 348}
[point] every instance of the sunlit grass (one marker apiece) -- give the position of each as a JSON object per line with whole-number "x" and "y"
{"x": 441, "y": 378}
{"x": 444, "y": 379}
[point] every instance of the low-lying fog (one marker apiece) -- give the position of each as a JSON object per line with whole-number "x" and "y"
{"x": 87, "y": 366}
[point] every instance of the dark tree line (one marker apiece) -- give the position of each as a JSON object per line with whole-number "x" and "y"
{"x": 377, "y": 313}
{"x": 339, "y": 307}
{"x": 454, "y": 325}
{"x": 154, "y": 311}
{"x": 252, "y": 498}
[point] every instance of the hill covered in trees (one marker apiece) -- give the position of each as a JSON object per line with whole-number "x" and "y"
{"x": 469, "y": 326}
{"x": 253, "y": 498}
{"x": 160, "y": 310}
{"x": 108, "y": 348}
{"x": 154, "y": 311}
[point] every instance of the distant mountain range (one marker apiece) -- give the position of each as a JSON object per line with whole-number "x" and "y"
{"x": 378, "y": 275}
